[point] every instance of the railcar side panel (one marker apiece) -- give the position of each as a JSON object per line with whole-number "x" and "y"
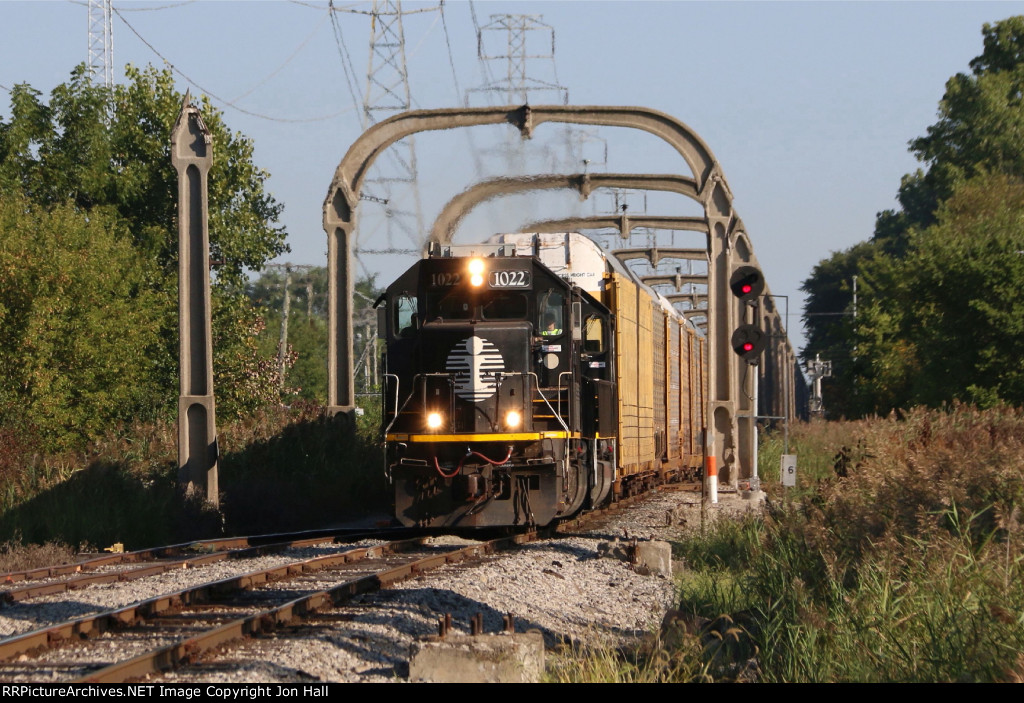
{"x": 676, "y": 368}
{"x": 660, "y": 386}
{"x": 624, "y": 307}
{"x": 645, "y": 382}
{"x": 699, "y": 397}
{"x": 684, "y": 402}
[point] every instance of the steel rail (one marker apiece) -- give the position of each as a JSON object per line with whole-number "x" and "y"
{"x": 170, "y": 656}
{"x": 116, "y": 618}
{"x": 226, "y": 544}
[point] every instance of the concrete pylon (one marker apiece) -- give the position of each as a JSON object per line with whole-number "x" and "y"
{"x": 192, "y": 156}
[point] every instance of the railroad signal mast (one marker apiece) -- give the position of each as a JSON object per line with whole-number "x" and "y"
{"x": 818, "y": 370}
{"x": 748, "y": 340}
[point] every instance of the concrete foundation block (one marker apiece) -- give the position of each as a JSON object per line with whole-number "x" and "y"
{"x": 499, "y": 658}
{"x": 654, "y": 556}
{"x": 650, "y": 557}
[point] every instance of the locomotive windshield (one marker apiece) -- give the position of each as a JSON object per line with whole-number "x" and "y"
{"x": 451, "y": 304}
{"x": 460, "y": 304}
{"x": 505, "y": 305}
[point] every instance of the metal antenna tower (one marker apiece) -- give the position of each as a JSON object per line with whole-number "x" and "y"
{"x": 101, "y": 42}
{"x": 387, "y": 93}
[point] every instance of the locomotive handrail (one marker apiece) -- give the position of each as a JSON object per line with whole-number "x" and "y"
{"x": 397, "y": 409}
{"x": 387, "y": 467}
{"x": 568, "y": 434}
{"x": 567, "y": 388}
{"x": 397, "y": 385}
{"x": 554, "y": 413}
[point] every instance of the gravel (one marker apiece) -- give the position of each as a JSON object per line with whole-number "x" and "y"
{"x": 561, "y": 588}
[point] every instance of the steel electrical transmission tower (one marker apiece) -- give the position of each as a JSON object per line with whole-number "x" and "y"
{"x": 528, "y": 41}
{"x": 101, "y": 42}
{"x": 387, "y": 93}
{"x": 517, "y": 59}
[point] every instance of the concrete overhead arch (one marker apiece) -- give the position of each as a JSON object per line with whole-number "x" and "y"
{"x": 340, "y": 205}
{"x": 726, "y": 448}
{"x": 457, "y": 208}
{"x": 624, "y": 223}
{"x": 351, "y": 171}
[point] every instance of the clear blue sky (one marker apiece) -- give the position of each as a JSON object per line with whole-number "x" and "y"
{"x": 807, "y": 105}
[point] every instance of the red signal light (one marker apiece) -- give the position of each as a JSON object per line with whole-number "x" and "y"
{"x": 747, "y": 283}
{"x": 749, "y": 341}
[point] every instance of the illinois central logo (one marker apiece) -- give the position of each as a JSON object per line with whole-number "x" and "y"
{"x": 475, "y": 362}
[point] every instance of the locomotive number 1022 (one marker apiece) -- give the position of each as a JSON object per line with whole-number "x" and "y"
{"x": 509, "y": 279}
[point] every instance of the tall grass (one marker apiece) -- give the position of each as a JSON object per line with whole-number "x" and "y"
{"x": 897, "y": 558}
{"x": 281, "y": 468}
{"x": 900, "y": 562}
{"x": 654, "y": 664}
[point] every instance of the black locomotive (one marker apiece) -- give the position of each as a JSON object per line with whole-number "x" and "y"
{"x": 531, "y": 377}
{"x": 500, "y": 392}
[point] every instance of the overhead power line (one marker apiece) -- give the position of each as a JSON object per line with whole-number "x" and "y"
{"x": 214, "y": 96}
{"x": 346, "y": 60}
{"x": 451, "y": 57}
{"x": 287, "y": 61}
{"x": 159, "y": 7}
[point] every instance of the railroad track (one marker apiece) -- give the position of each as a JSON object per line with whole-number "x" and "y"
{"x": 128, "y": 566}
{"x": 163, "y": 632}
{"x": 301, "y": 598}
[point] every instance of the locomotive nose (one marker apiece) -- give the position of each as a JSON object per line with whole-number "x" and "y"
{"x": 486, "y": 372}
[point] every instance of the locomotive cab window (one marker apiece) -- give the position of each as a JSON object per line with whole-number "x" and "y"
{"x": 505, "y": 305}
{"x": 593, "y": 334}
{"x": 550, "y": 310}
{"x": 454, "y": 304}
{"x": 405, "y": 320}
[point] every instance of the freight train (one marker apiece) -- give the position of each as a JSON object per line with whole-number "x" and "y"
{"x": 530, "y": 377}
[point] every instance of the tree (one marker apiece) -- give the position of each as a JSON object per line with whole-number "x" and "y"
{"x": 307, "y": 325}
{"x": 92, "y": 146}
{"x": 962, "y": 295}
{"x": 78, "y": 323}
{"x": 943, "y": 323}
{"x": 307, "y": 333}
{"x": 981, "y": 116}
{"x": 96, "y": 155}
{"x": 976, "y": 137}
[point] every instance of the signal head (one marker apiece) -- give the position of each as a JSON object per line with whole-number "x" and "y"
{"x": 747, "y": 283}
{"x": 749, "y": 341}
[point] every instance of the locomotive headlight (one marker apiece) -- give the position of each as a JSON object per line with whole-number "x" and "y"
{"x": 476, "y": 272}
{"x": 513, "y": 418}
{"x": 434, "y": 420}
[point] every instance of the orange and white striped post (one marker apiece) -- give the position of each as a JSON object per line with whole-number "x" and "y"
{"x": 711, "y": 477}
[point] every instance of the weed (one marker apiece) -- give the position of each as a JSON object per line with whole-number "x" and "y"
{"x": 897, "y": 558}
